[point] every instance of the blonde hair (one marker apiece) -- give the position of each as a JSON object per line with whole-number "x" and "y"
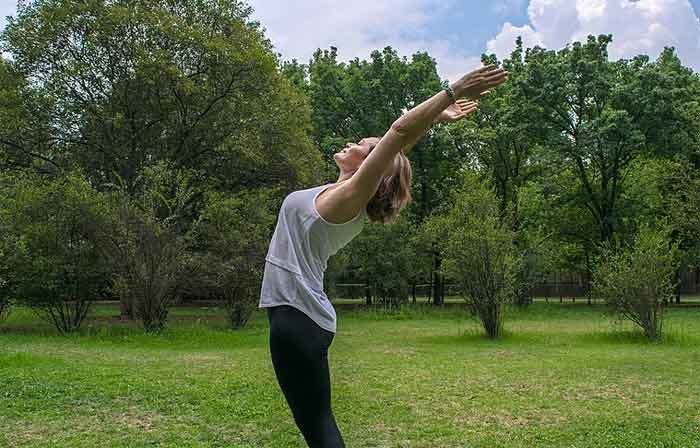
{"x": 393, "y": 193}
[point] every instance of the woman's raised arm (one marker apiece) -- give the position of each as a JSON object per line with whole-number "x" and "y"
{"x": 412, "y": 126}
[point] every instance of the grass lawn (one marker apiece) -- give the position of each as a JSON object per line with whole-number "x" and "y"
{"x": 564, "y": 376}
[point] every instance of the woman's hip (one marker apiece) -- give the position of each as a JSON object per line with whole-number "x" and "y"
{"x": 293, "y": 326}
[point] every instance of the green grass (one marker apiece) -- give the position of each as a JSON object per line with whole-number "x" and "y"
{"x": 564, "y": 376}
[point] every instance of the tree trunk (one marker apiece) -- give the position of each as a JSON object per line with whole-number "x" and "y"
{"x": 125, "y": 313}
{"x": 589, "y": 276}
{"x": 368, "y": 294}
{"x": 438, "y": 290}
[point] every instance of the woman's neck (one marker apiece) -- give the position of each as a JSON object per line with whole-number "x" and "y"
{"x": 343, "y": 177}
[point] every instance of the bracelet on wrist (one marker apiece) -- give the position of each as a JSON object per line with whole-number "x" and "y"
{"x": 450, "y": 92}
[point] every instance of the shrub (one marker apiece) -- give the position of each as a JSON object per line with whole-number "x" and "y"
{"x": 54, "y": 266}
{"x": 636, "y": 281}
{"x": 231, "y": 238}
{"x": 5, "y": 274}
{"x": 479, "y": 252}
{"x": 147, "y": 252}
{"x": 383, "y": 257}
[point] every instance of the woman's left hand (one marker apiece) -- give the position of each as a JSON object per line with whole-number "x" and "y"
{"x": 457, "y": 111}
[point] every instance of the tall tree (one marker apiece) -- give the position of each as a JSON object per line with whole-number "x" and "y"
{"x": 505, "y": 146}
{"x": 191, "y": 82}
{"x": 25, "y": 131}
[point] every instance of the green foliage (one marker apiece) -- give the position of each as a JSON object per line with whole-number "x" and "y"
{"x": 8, "y": 243}
{"x": 52, "y": 261}
{"x": 24, "y": 122}
{"x": 231, "y": 237}
{"x": 479, "y": 252}
{"x": 636, "y": 281}
{"x": 147, "y": 253}
{"x": 6, "y": 292}
{"x": 601, "y": 116}
{"x": 668, "y": 190}
{"x": 681, "y": 206}
{"x": 131, "y": 84}
{"x": 385, "y": 260}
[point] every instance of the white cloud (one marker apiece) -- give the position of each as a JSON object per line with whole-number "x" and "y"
{"x": 356, "y": 28}
{"x": 503, "y": 44}
{"x": 642, "y": 26}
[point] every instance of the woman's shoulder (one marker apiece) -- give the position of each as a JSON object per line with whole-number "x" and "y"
{"x": 336, "y": 205}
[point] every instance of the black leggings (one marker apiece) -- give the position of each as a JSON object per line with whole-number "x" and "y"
{"x": 299, "y": 349}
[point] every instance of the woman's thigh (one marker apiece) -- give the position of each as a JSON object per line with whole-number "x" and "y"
{"x": 299, "y": 349}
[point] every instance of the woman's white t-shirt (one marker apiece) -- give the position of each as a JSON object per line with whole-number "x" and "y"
{"x": 297, "y": 257}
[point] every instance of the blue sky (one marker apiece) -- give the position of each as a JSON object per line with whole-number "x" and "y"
{"x": 457, "y": 32}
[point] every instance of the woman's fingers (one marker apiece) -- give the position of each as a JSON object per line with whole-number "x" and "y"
{"x": 495, "y": 79}
{"x": 465, "y": 102}
{"x": 469, "y": 107}
{"x": 480, "y": 81}
{"x": 486, "y": 68}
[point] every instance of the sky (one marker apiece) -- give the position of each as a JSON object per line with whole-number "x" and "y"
{"x": 457, "y": 32}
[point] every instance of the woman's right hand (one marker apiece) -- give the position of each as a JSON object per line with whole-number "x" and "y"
{"x": 474, "y": 84}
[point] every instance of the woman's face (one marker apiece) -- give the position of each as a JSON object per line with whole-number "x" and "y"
{"x": 352, "y": 155}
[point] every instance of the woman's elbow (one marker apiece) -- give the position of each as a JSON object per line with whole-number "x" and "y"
{"x": 399, "y": 128}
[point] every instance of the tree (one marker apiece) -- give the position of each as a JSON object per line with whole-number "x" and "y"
{"x": 682, "y": 206}
{"x": 134, "y": 83}
{"x": 582, "y": 97}
{"x": 603, "y": 115}
{"x": 505, "y": 145}
{"x": 6, "y": 292}
{"x": 383, "y": 259}
{"x": 679, "y": 186}
{"x": 24, "y": 123}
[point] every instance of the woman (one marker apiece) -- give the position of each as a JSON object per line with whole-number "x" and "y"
{"x": 313, "y": 224}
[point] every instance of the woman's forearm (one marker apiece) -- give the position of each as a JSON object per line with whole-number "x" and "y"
{"x": 411, "y": 127}
{"x": 417, "y": 121}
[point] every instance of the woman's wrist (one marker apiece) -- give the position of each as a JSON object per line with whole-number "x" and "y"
{"x": 457, "y": 89}
{"x": 450, "y": 92}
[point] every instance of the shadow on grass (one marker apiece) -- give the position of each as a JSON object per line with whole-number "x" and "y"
{"x": 181, "y": 332}
{"x": 674, "y": 336}
{"x": 678, "y": 337}
{"x": 475, "y": 335}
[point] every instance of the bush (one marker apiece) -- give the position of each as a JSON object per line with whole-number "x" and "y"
{"x": 150, "y": 261}
{"x": 636, "y": 281}
{"x": 5, "y": 274}
{"x": 54, "y": 266}
{"x": 231, "y": 238}
{"x": 384, "y": 258}
{"x": 479, "y": 252}
{"x": 146, "y": 251}
{"x": 5, "y": 304}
